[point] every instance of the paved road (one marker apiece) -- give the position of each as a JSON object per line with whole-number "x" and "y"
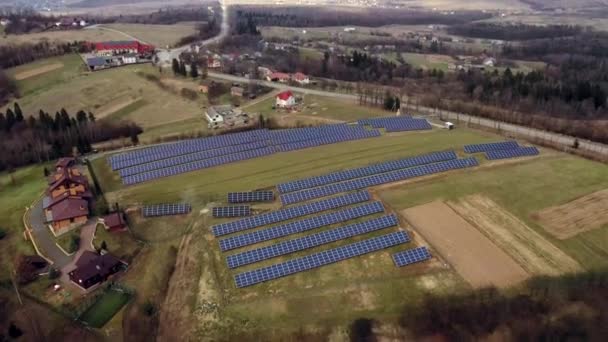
{"x": 44, "y": 238}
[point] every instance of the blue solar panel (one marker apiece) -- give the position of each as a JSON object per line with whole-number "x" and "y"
{"x": 232, "y": 211}
{"x": 366, "y": 171}
{"x": 501, "y": 145}
{"x": 389, "y": 177}
{"x": 290, "y": 213}
{"x": 300, "y": 226}
{"x": 310, "y": 241}
{"x": 252, "y": 196}
{"x": 411, "y": 256}
{"x": 518, "y": 152}
{"x": 165, "y": 209}
{"x": 320, "y": 259}
{"x": 397, "y": 123}
{"x": 188, "y": 158}
{"x": 327, "y": 140}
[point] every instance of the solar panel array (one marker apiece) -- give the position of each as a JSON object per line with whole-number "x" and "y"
{"x": 365, "y": 171}
{"x": 377, "y": 179}
{"x": 397, "y": 123}
{"x": 165, "y": 209}
{"x": 310, "y": 241}
{"x": 501, "y": 145}
{"x": 290, "y": 213}
{"x": 300, "y": 226}
{"x": 251, "y": 196}
{"x": 411, "y": 256}
{"x": 232, "y": 211}
{"x": 197, "y": 165}
{"x": 518, "y": 152}
{"x": 320, "y": 259}
{"x": 194, "y": 154}
{"x": 159, "y": 152}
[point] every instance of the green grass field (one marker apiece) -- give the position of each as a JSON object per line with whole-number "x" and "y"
{"x": 158, "y": 35}
{"x": 104, "y": 308}
{"x": 119, "y": 93}
{"x": 28, "y": 184}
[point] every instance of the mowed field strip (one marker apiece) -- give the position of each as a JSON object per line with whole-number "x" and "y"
{"x": 583, "y": 214}
{"x": 475, "y": 257}
{"x": 37, "y": 71}
{"x": 531, "y": 250}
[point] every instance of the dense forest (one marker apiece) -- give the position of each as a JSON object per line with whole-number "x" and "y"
{"x": 30, "y": 139}
{"x": 8, "y": 87}
{"x": 513, "y": 32}
{"x": 371, "y": 17}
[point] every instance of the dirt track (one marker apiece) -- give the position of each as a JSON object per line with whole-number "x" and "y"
{"x": 567, "y": 220}
{"x": 38, "y": 71}
{"x": 477, "y": 259}
{"x": 531, "y": 250}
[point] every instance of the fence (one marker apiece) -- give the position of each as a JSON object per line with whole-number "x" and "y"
{"x": 549, "y": 138}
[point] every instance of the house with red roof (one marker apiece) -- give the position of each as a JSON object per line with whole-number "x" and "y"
{"x": 285, "y": 99}
{"x": 300, "y": 78}
{"x": 66, "y": 213}
{"x": 121, "y": 47}
{"x": 278, "y": 77}
{"x": 114, "y": 222}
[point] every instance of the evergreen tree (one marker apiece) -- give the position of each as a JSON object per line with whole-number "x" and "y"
{"x": 81, "y": 116}
{"x": 18, "y": 113}
{"x": 2, "y": 122}
{"x": 91, "y": 117}
{"x": 182, "y": 69}
{"x": 134, "y": 137}
{"x": 175, "y": 66}
{"x": 46, "y": 172}
{"x": 10, "y": 119}
{"x": 193, "y": 70}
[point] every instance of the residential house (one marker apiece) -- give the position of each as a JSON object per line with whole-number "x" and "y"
{"x": 64, "y": 163}
{"x": 93, "y": 269}
{"x": 69, "y": 181}
{"x": 203, "y": 88}
{"x": 489, "y": 62}
{"x": 114, "y": 222}
{"x": 285, "y": 99}
{"x": 278, "y": 77}
{"x": 66, "y": 213}
{"x": 264, "y": 72}
{"x": 300, "y": 78}
{"x": 237, "y": 91}
{"x": 214, "y": 62}
{"x": 226, "y": 116}
{"x": 4, "y": 22}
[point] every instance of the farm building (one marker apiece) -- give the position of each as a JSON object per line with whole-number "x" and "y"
{"x": 93, "y": 269}
{"x": 285, "y": 99}
{"x": 121, "y": 47}
{"x": 226, "y": 116}
{"x": 114, "y": 222}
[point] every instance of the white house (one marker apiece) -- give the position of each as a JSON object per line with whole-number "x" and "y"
{"x": 489, "y": 62}
{"x": 4, "y": 22}
{"x": 285, "y": 99}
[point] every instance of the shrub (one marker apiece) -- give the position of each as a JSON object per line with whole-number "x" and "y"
{"x": 74, "y": 243}
{"x": 54, "y": 273}
{"x": 149, "y": 308}
{"x": 2, "y": 233}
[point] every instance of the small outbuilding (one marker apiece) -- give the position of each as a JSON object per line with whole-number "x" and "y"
{"x": 114, "y": 222}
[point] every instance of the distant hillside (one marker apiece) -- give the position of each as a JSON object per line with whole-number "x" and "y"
{"x": 565, "y": 4}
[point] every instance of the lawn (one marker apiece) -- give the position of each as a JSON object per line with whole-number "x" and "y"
{"x": 120, "y": 244}
{"x": 119, "y": 93}
{"x": 64, "y": 36}
{"x": 428, "y": 61}
{"x": 158, "y": 35}
{"x": 65, "y": 241}
{"x": 14, "y": 197}
{"x": 104, "y": 308}
{"x": 320, "y": 107}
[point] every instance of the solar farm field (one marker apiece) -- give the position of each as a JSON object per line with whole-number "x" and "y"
{"x": 325, "y": 267}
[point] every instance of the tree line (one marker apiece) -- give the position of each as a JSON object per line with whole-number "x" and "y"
{"x": 15, "y": 55}
{"x": 8, "y": 87}
{"x": 33, "y": 139}
{"x": 513, "y": 32}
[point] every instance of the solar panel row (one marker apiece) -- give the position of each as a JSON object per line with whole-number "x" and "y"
{"x": 501, "y": 145}
{"x": 411, "y": 256}
{"x": 377, "y": 179}
{"x": 339, "y": 176}
{"x": 518, "y": 152}
{"x": 310, "y": 241}
{"x": 252, "y": 196}
{"x": 233, "y": 211}
{"x": 383, "y": 121}
{"x": 320, "y": 259}
{"x": 300, "y": 226}
{"x": 197, "y": 165}
{"x": 408, "y": 125}
{"x": 165, "y": 209}
{"x": 158, "y": 152}
{"x": 328, "y": 140}
{"x": 290, "y": 213}
{"x": 188, "y": 158}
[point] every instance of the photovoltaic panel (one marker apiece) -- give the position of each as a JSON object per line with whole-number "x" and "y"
{"x": 290, "y": 213}
{"x": 339, "y": 176}
{"x": 411, "y": 256}
{"x": 518, "y": 152}
{"x": 165, "y": 209}
{"x": 300, "y": 226}
{"x": 327, "y": 140}
{"x": 188, "y": 158}
{"x": 316, "y": 260}
{"x": 250, "y": 196}
{"x": 232, "y": 211}
{"x": 501, "y": 145}
{"x": 310, "y": 241}
{"x": 365, "y": 182}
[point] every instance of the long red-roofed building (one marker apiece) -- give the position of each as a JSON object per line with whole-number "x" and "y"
{"x": 116, "y": 47}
